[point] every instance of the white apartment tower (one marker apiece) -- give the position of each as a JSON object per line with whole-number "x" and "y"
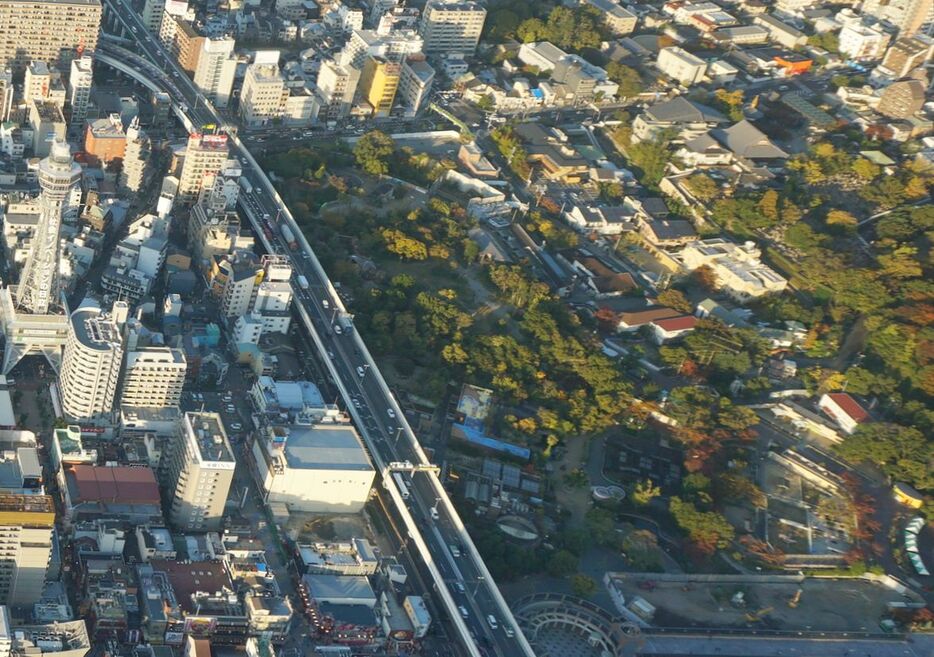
{"x": 198, "y": 470}
{"x": 452, "y": 26}
{"x": 153, "y": 377}
{"x": 204, "y": 159}
{"x": 91, "y": 366}
{"x": 135, "y": 158}
{"x": 79, "y": 92}
{"x": 26, "y": 526}
{"x": 216, "y": 69}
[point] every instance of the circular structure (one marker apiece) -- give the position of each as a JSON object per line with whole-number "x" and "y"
{"x": 518, "y": 528}
{"x": 602, "y": 493}
{"x": 555, "y": 624}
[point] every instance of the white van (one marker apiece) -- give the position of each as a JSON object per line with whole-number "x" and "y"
{"x": 361, "y": 372}
{"x": 491, "y": 620}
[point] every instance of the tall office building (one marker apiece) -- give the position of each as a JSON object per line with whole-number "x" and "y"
{"x": 415, "y": 83}
{"x": 378, "y": 84}
{"x": 909, "y": 16}
{"x": 153, "y": 377}
{"x": 198, "y": 471}
{"x": 215, "y": 70}
{"x": 52, "y": 31}
{"x": 205, "y": 156}
{"x": 26, "y": 526}
{"x": 79, "y": 92}
{"x": 452, "y": 26}
{"x": 135, "y": 158}
{"x": 91, "y": 366}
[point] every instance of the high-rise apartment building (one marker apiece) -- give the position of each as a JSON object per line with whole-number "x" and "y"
{"x": 273, "y": 296}
{"x": 378, "y": 84}
{"x": 153, "y": 376}
{"x": 26, "y": 526}
{"x": 415, "y": 82}
{"x": 215, "y": 70}
{"x": 452, "y": 26}
{"x": 198, "y": 471}
{"x": 135, "y": 158}
{"x": 91, "y": 366}
{"x": 52, "y": 31}
{"x": 394, "y": 47}
{"x": 79, "y": 92}
{"x": 204, "y": 158}
{"x": 909, "y": 16}
{"x": 262, "y": 95}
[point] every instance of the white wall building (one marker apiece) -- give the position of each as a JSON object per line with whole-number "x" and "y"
{"x": 198, "y": 467}
{"x": 26, "y": 526}
{"x": 862, "y": 42}
{"x": 739, "y": 271}
{"x": 79, "y": 91}
{"x": 153, "y": 377}
{"x": 318, "y": 468}
{"x": 91, "y": 366}
{"x": 678, "y": 64}
{"x": 217, "y": 67}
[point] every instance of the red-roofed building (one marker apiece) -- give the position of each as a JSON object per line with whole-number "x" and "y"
{"x": 124, "y": 492}
{"x": 844, "y": 410}
{"x": 672, "y": 328}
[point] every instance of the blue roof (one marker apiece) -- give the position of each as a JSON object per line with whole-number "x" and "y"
{"x": 537, "y": 93}
{"x": 476, "y": 437}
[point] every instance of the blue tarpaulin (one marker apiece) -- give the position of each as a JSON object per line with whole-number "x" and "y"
{"x": 476, "y": 437}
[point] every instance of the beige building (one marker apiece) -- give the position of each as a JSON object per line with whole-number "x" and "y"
{"x": 909, "y": 16}
{"x": 79, "y": 92}
{"x": 205, "y": 156}
{"x": 738, "y": 269}
{"x": 452, "y": 26}
{"x": 153, "y": 377}
{"x": 262, "y": 95}
{"x": 47, "y": 30}
{"x": 91, "y": 366}
{"x": 907, "y": 54}
{"x": 415, "y": 83}
{"x": 618, "y": 19}
{"x": 901, "y": 99}
{"x": 198, "y": 469}
{"x": 135, "y": 159}
{"x": 26, "y": 525}
{"x": 337, "y": 85}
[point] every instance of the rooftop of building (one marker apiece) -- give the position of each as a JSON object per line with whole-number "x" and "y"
{"x": 122, "y": 484}
{"x": 207, "y": 432}
{"x": 326, "y": 446}
{"x": 354, "y": 587}
{"x": 48, "y": 111}
{"x": 109, "y": 127}
{"x": 94, "y": 330}
{"x": 193, "y": 577}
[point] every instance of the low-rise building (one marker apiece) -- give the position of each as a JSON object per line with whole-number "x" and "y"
{"x": 862, "y": 42}
{"x": 844, "y": 410}
{"x": 687, "y": 118}
{"x": 678, "y": 64}
{"x": 739, "y": 271}
{"x": 355, "y": 557}
{"x": 619, "y": 20}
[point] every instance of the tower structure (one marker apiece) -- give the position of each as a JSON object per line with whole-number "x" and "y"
{"x": 38, "y": 288}
{"x": 33, "y": 314}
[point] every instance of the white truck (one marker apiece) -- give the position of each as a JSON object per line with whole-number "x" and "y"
{"x": 302, "y": 281}
{"x": 246, "y": 185}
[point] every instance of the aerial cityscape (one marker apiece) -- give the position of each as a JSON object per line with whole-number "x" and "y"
{"x": 468, "y": 328}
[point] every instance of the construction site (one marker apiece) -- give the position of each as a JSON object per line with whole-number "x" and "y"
{"x": 781, "y": 602}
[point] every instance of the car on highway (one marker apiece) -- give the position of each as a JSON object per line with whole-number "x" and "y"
{"x": 491, "y": 620}
{"x": 361, "y": 372}
{"x": 236, "y": 426}
{"x": 357, "y": 404}
{"x": 331, "y": 355}
{"x": 509, "y": 631}
{"x": 455, "y": 551}
{"x": 391, "y": 413}
{"x": 338, "y": 329}
{"x": 460, "y": 587}
{"x": 463, "y": 611}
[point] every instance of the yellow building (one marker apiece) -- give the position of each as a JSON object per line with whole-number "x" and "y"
{"x": 378, "y": 84}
